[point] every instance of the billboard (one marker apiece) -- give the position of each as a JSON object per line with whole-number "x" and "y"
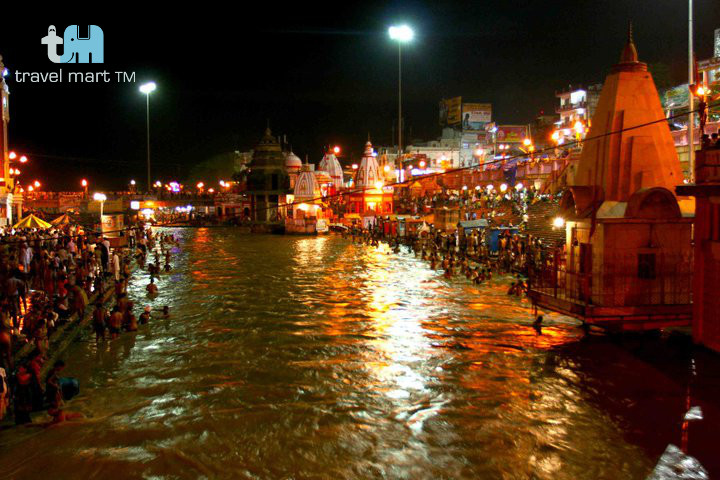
{"x": 509, "y": 134}
{"x": 450, "y": 111}
{"x": 476, "y": 115}
{"x": 112, "y": 225}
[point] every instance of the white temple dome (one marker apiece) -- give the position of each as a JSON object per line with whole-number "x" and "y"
{"x": 331, "y": 165}
{"x": 292, "y": 161}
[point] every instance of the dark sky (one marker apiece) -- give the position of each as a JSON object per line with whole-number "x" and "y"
{"x": 322, "y": 75}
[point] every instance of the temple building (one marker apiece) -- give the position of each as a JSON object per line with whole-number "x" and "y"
{"x": 293, "y": 164}
{"x": 706, "y": 275}
{"x": 626, "y": 263}
{"x": 370, "y": 196}
{"x": 307, "y": 215}
{"x": 268, "y": 182}
{"x": 331, "y": 165}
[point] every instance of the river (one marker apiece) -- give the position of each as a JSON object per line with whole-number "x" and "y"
{"x": 298, "y": 357}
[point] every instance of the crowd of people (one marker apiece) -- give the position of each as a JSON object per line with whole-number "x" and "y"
{"x": 466, "y": 254}
{"x": 47, "y": 278}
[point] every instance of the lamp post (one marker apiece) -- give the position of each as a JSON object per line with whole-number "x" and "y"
{"x": 401, "y": 34}
{"x": 100, "y": 197}
{"x": 147, "y": 89}
{"x": 84, "y": 184}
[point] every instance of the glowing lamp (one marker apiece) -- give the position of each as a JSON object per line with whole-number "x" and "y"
{"x": 422, "y": 163}
{"x": 12, "y": 155}
{"x": 386, "y": 168}
{"x": 99, "y": 197}
{"x": 354, "y": 166}
{"x": 579, "y": 127}
{"x": 519, "y": 187}
{"x": 401, "y": 33}
{"x": 336, "y": 150}
{"x": 23, "y": 159}
{"x": 132, "y": 182}
{"x": 558, "y": 222}
{"x": 503, "y": 187}
{"x": 200, "y": 185}
{"x": 84, "y": 182}
{"x": 37, "y": 184}
{"x": 148, "y": 88}
{"x": 527, "y": 142}
{"x": 378, "y": 185}
{"x": 464, "y": 187}
{"x": 135, "y": 205}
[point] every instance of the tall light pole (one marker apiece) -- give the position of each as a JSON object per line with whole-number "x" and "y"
{"x": 100, "y": 197}
{"x": 691, "y": 102}
{"x": 147, "y": 89}
{"x": 401, "y": 34}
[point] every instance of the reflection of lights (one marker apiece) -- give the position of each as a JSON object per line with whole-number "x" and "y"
{"x": 558, "y": 222}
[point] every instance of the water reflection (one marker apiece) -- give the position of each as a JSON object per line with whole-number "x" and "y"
{"x": 317, "y": 358}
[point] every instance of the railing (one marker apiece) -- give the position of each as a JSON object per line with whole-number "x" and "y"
{"x": 618, "y": 281}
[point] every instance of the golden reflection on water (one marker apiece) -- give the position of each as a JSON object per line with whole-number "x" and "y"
{"x": 317, "y": 358}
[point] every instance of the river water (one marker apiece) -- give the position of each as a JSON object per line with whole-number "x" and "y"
{"x": 296, "y": 357}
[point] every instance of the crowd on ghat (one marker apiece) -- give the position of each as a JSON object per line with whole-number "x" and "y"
{"x": 47, "y": 279}
{"x": 468, "y": 255}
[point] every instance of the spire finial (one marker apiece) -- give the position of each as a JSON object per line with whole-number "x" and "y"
{"x": 629, "y": 53}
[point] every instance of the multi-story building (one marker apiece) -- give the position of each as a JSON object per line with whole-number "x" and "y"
{"x": 577, "y": 104}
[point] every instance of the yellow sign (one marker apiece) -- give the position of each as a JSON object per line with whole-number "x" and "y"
{"x": 451, "y": 111}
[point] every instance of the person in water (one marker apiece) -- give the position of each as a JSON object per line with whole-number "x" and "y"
{"x": 100, "y": 317}
{"x": 145, "y": 316}
{"x": 152, "y": 288}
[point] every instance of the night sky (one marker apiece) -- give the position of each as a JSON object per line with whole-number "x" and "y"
{"x": 321, "y": 75}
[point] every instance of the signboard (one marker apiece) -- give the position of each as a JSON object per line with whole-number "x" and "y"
{"x": 510, "y": 134}
{"x": 112, "y": 225}
{"x": 450, "y": 111}
{"x": 476, "y": 115}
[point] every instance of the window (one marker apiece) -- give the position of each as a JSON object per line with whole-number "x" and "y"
{"x": 646, "y": 266}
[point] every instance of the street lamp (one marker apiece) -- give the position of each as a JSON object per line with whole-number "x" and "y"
{"x": 100, "y": 197}
{"x": 401, "y": 34}
{"x": 147, "y": 89}
{"x": 84, "y": 184}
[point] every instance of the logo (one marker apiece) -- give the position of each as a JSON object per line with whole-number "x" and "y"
{"x": 82, "y": 44}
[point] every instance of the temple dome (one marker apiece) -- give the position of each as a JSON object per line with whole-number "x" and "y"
{"x": 306, "y": 185}
{"x": 292, "y": 161}
{"x": 367, "y": 174}
{"x": 331, "y": 165}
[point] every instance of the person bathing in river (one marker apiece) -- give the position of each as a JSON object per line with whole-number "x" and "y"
{"x": 100, "y": 317}
{"x": 115, "y": 323}
{"x": 145, "y": 316}
{"x": 152, "y": 289}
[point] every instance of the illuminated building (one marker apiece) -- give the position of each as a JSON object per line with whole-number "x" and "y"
{"x": 372, "y": 197}
{"x": 268, "y": 181}
{"x": 331, "y": 166}
{"x": 8, "y": 198}
{"x": 626, "y": 263}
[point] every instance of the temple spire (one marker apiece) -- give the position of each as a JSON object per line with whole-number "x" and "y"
{"x": 629, "y": 53}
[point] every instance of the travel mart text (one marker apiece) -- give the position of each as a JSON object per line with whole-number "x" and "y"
{"x": 73, "y": 77}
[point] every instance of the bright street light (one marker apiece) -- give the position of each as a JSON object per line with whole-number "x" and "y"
{"x": 100, "y": 197}
{"x": 401, "y": 33}
{"x": 147, "y": 89}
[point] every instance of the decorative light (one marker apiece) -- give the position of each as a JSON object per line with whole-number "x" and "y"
{"x": 422, "y": 164}
{"x": 503, "y": 187}
{"x": 30, "y": 188}
{"x": 211, "y": 190}
{"x": 336, "y": 150}
{"x": 200, "y": 185}
{"x": 558, "y": 222}
{"x": 37, "y": 184}
{"x": 464, "y": 187}
{"x": 519, "y": 186}
{"x": 12, "y": 155}
{"x": 354, "y": 166}
{"x": 23, "y": 159}
{"x": 132, "y": 182}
